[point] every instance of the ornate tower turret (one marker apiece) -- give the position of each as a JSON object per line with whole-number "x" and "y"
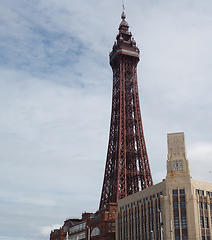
{"x": 127, "y": 167}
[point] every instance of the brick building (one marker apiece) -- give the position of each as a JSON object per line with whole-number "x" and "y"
{"x": 95, "y": 226}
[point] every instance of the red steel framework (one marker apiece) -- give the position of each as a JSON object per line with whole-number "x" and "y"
{"x": 127, "y": 168}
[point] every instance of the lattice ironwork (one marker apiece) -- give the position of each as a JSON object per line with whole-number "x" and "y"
{"x": 127, "y": 168}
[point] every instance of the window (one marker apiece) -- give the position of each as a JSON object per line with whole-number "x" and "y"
{"x": 174, "y": 191}
{"x": 153, "y": 226}
{"x": 182, "y": 205}
{"x": 208, "y": 237}
{"x": 206, "y": 222}
{"x": 109, "y": 224}
{"x": 205, "y": 205}
{"x": 211, "y": 206}
{"x": 176, "y": 222}
{"x": 200, "y": 205}
{"x": 175, "y": 205}
{"x": 95, "y": 232}
{"x": 183, "y": 222}
{"x": 150, "y": 225}
{"x": 197, "y": 191}
{"x": 202, "y": 192}
{"x": 182, "y": 191}
{"x": 201, "y": 221}
{"x": 208, "y": 193}
{"x": 177, "y": 237}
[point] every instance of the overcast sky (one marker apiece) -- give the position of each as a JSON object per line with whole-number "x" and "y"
{"x": 55, "y": 100}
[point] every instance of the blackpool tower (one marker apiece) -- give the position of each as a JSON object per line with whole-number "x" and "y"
{"x": 127, "y": 169}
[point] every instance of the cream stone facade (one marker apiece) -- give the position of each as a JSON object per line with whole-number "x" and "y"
{"x": 177, "y": 208}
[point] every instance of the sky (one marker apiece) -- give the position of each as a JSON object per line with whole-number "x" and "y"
{"x": 55, "y": 100}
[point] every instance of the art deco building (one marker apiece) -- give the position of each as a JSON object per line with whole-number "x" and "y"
{"x": 177, "y": 208}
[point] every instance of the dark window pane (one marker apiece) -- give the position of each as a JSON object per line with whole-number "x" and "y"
{"x": 202, "y": 221}
{"x": 182, "y": 205}
{"x": 182, "y": 191}
{"x": 174, "y": 191}
{"x": 202, "y": 192}
{"x": 175, "y": 205}
{"x": 176, "y": 222}
{"x": 183, "y": 222}
{"x": 206, "y": 222}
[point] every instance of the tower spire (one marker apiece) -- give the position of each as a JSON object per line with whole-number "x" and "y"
{"x": 127, "y": 169}
{"x": 123, "y": 15}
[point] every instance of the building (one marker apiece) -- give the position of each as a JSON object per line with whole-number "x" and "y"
{"x": 58, "y": 234}
{"x": 127, "y": 169}
{"x": 96, "y": 226}
{"x": 177, "y": 208}
{"x": 72, "y": 227}
{"x": 101, "y": 226}
{"x": 78, "y": 231}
